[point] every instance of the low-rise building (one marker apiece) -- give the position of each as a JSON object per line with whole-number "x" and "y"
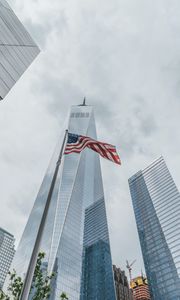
{"x": 139, "y": 286}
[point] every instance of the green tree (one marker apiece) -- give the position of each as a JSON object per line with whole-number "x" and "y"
{"x": 14, "y": 287}
{"x": 41, "y": 288}
{"x": 3, "y": 296}
{"x": 41, "y": 285}
{"x": 63, "y": 296}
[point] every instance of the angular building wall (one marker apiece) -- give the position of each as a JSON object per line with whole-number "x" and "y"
{"x": 156, "y": 203}
{"x": 78, "y": 187}
{"x": 17, "y": 49}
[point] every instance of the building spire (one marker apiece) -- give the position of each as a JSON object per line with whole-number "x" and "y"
{"x": 84, "y": 102}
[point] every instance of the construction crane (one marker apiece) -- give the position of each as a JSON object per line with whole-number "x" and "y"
{"x": 129, "y": 267}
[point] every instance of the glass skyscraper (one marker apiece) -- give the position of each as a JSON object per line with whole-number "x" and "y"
{"x": 17, "y": 49}
{"x": 97, "y": 280}
{"x": 156, "y": 202}
{"x": 76, "y": 239}
{"x": 6, "y": 253}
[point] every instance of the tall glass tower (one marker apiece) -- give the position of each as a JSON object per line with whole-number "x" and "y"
{"x": 156, "y": 202}
{"x": 76, "y": 231}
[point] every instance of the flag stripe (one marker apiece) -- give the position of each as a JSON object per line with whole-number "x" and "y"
{"x": 76, "y": 143}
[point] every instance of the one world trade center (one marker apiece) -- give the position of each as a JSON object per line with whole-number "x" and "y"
{"x": 75, "y": 237}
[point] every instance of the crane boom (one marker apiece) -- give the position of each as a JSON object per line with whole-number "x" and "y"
{"x": 129, "y": 267}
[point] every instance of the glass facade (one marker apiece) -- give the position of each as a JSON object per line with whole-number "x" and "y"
{"x": 97, "y": 274}
{"x": 6, "y": 253}
{"x": 156, "y": 202}
{"x": 78, "y": 187}
{"x": 17, "y": 49}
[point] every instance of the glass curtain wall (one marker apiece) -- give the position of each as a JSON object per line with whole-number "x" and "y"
{"x": 79, "y": 185}
{"x": 156, "y": 203}
{"x": 17, "y": 49}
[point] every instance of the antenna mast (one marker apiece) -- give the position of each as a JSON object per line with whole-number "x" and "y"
{"x": 84, "y": 102}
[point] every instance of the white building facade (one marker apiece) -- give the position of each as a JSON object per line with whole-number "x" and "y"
{"x": 7, "y": 252}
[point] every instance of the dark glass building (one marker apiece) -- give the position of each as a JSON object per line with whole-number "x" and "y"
{"x": 17, "y": 49}
{"x": 76, "y": 239}
{"x": 156, "y": 202}
{"x": 97, "y": 275}
{"x": 123, "y": 291}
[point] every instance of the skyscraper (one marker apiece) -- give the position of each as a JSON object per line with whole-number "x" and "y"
{"x": 123, "y": 292}
{"x": 97, "y": 280}
{"x": 156, "y": 202}
{"x": 76, "y": 231}
{"x": 17, "y": 49}
{"x": 6, "y": 253}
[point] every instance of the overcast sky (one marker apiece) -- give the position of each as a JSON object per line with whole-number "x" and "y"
{"x": 124, "y": 56}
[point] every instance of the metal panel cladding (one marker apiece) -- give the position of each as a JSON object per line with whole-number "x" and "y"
{"x": 17, "y": 49}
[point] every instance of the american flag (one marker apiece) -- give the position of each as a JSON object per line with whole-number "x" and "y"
{"x": 76, "y": 143}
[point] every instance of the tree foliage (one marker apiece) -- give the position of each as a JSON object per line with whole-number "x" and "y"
{"x": 41, "y": 288}
{"x": 14, "y": 287}
{"x": 63, "y": 296}
{"x": 41, "y": 284}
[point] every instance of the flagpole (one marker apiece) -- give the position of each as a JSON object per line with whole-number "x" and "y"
{"x": 32, "y": 264}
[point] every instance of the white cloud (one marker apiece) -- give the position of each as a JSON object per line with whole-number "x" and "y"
{"x": 124, "y": 56}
